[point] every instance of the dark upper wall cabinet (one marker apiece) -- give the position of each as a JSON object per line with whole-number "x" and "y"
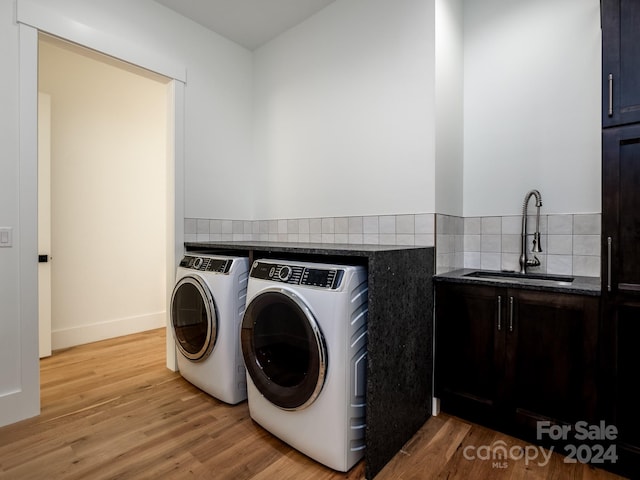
{"x": 620, "y": 62}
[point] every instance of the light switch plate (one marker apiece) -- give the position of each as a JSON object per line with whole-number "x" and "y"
{"x": 6, "y": 237}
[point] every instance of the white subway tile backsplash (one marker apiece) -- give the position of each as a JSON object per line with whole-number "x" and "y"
{"x": 560, "y": 224}
{"x": 237, "y": 227}
{"x": 328, "y": 238}
{"x": 588, "y": 266}
{"x": 356, "y": 238}
{"x": 512, "y": 225}
{"x": 202, "y": 226}
{"x": 371, "y": 239}
{"x": 370, "y": 225}
{"x": 491, "y": 226}
{"x": 405, "y": 224}
{"x": 341, "y": 225}
{"x": 355, "y": 226}
{"x": 405, "y": 239}
{"x": 473, "y": 226}
{"x": 293, "y": 226}
{"x": 190, "y": 226}
{"x": 329, "y": 225}
{"x": 490, "y": 261}
{"x": 303, "y": 226}
{"x": 387, "y": 239}
{"x": 511, "y": 262}
{"x": 341, "y": 238}
{"x": 293, "y": 237}
{"x": 490, "y": 243}
{"x": 387, "y": 224}
{"x": 511, "y": 243}
{"x": 472, "y": 243}
{"x": 471, "y": 259}
{"x": 559, "y": 264}
{"x": 586, "y": 224}
{"x": 424, "y": 224}
{"x": 315, "y": 226}
{"x": 586, "y": 245}
{"x": 559, "y": 244}
{"x": 571, "y": 246}
{"x": 425, "y": 240}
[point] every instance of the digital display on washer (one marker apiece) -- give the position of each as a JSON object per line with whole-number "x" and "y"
{"x": 318, "y": 278}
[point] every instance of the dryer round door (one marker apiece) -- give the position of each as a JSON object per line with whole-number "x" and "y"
{"x": 283, "y": 349}
{"x": 194, "y": 319}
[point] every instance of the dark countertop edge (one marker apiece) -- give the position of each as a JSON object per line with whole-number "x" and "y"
{"x": 580, "y": 286}
{"x": 332, "y": 248}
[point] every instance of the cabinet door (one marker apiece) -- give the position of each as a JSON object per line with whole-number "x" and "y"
{"x": 469, "y": 349}
{"x": 621, "y": 210}
{"x": 626, "y": 361}
{"x": 620, "y": 62}
{"x": 551, "y": 357}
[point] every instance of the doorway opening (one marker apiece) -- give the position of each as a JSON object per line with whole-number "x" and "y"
{"x": 108, "y": 248}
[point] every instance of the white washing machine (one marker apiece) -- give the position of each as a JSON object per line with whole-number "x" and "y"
{"x": 207, "y": 305}
{"x": 304, "y": 343}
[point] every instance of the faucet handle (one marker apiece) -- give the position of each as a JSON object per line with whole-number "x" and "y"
{"x": 533, "y": 262}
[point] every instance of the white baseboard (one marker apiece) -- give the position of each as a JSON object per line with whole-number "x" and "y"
{"x": 70, "y": 337}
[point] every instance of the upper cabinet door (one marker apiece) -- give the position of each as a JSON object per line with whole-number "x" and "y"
{"x": 620, "y": 62}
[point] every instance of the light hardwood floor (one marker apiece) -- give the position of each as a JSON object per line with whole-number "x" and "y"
{"x": 111, "y": 410}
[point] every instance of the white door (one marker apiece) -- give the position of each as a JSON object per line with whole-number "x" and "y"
{"x": 44, "y": 223}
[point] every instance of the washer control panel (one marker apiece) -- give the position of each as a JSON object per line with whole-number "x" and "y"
{"x": 328, "y": 278}
{"x": 206, "y": 264}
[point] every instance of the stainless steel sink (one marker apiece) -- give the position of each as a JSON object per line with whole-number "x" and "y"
{"x": 523, "y": 277}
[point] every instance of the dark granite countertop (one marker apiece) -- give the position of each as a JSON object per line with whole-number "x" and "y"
{"x": 580, "y": 285}
{"x": 351, "y": 250}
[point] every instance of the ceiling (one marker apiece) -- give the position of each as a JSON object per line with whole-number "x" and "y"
{"x": 247, "y": 22}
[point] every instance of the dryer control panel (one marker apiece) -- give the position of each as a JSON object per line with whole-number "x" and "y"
{"x": 206, "y": 264}
{"x": 297, "y": 274}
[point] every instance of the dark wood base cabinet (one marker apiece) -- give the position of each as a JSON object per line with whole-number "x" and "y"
{"x": 622, "y": 358}
{"x": 509, "y": 358}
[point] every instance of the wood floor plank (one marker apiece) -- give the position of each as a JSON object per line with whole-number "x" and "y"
{"x": 111, "y": 410}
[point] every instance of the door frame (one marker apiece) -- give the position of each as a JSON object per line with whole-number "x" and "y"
{"x": 31, "y": 20}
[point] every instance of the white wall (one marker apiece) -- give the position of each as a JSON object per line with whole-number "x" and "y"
{"x": 217, "y": 135}
{"x": 344, "y": 105}
{"x": 109, "y": 194}
{"x": 9, "y": 214}
{"x": 449, "y": 75}
{"x": 531, "y": 105}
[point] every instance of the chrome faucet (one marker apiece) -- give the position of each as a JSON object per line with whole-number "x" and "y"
{"x": 524, "y": 261}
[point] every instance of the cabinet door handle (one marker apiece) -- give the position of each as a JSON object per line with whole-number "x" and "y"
{"x": 499, "y": 321}
{"x": 609, "y": 242}
{"x": 610, "y": 94}
{"x": 511, "y": 314}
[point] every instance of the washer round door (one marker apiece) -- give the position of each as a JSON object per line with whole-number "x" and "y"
{"x": 194, "y": 319}
{"x": 283, "y": 349}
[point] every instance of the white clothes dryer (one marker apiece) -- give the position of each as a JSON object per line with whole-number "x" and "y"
{"x": 207, "y": 305}
{"x": 304, "y": 343}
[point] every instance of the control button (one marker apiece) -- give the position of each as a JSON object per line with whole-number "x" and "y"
{"x": 197, "y": 263}
{"x": 285, "y": 273}
{"x": 272, "y": 272}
